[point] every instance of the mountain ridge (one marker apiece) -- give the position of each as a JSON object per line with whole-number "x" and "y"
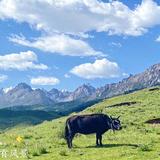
{"x": 23, "y": 94}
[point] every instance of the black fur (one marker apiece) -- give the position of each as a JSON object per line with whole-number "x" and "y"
{"x": 88, "y": 124}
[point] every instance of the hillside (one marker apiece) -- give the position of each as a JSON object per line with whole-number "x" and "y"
{"x": 136, "y": 141}
{"x": 35, "y": 114}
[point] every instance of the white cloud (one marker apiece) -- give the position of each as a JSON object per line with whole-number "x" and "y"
{"x": 99, "y": 69}
{"x": 21, "y": 61}
{"x": 3, "y": 78}
{"x": 61, "y": 44}
{"x": 44, "y": 81}
{"x": 67, "y": 75}
{"x": 6, "y": 90}
{"x": 81, "y": 16}
{"x": 115, "y": 44}
{"x": 158, "y": 39}
{"x": 147, "y": 14}
{"x": 125, "y": 74}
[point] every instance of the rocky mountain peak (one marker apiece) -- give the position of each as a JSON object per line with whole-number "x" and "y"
{"x": 54, "y": 91}
{"x": 23, "y": 86}
{"x": 83, "y": 91}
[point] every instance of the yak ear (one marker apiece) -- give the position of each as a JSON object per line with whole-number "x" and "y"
{"x": 118, "y": 117}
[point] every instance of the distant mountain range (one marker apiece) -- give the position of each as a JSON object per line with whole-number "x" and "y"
{"x": 24, "y": 95}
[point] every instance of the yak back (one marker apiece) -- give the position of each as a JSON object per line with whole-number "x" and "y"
{"x": 90, "y": 123}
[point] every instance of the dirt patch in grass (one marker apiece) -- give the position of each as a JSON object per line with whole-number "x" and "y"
{"x": 154, "y": 89}
{"x": 123, "y": 104}
{"x": 153, "y": 121}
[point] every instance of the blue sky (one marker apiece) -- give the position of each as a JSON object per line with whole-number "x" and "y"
{"x": 68, "y": 43}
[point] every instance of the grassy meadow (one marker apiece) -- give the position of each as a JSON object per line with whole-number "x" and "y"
{"x": 136, "y": 141}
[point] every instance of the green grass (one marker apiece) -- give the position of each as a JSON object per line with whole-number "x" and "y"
{"x": 137, "y": 140}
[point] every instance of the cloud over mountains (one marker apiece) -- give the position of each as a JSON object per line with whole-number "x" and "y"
{"x": 99, "y": 69}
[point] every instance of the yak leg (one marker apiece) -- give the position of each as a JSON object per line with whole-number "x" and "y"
{"x": 98, "y": 139}
{"x": 69, "y": 140}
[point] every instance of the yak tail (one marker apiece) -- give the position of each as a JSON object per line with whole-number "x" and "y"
{"x": 67, "y": 128}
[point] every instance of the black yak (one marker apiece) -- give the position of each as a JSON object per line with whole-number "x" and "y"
{"x": 88, "y": 124}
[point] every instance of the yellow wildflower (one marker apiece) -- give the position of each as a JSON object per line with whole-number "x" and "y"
{"x": 19, "y": 139}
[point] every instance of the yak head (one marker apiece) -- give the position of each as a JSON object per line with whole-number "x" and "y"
{"x": 115, "y": 123}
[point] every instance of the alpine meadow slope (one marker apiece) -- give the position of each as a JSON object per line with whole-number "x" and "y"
{"x": 137, "y": 140}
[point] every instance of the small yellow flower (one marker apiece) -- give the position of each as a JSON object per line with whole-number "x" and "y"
{"x": 19, "y": 139}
